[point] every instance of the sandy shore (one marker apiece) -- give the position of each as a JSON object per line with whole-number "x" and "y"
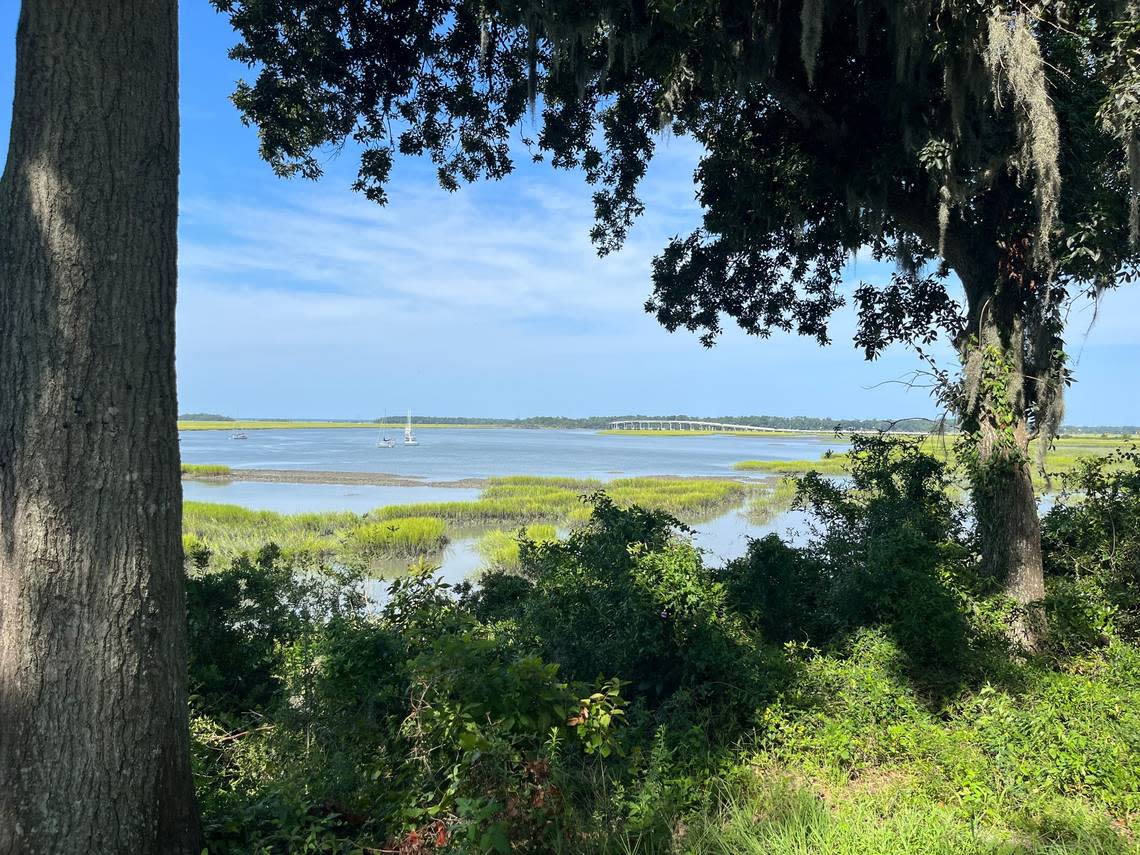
{"x": 310, "y": 476}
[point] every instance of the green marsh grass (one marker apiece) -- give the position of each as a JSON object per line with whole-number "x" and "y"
{"x": 1063, "y": 457}
{"x": 525, "y": 499}
{"x": 229, "y": 530}
{"x": 522, "y": 500}
{"x": 773, "y": 499}
{"x": 499, "y": 549}
{"x": 206, "y": 470}
{"x": 408, "y": 537}
{"x": 836, "y": 464}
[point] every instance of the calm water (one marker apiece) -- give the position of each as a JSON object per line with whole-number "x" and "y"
{"x": 446, "y": 455}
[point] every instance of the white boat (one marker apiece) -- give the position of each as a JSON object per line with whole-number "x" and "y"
{"x": 382, "y": 438}
{"x": 238, "y": 434}
{"x": 409, "y": 437}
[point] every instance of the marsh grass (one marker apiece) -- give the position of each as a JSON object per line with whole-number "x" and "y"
{"x": 407, "y": 537}
{"x": 527, "y": 499}
{"x": 229, "y": 530}
{"x": 519, "y": 500}
{"x": 499, "y": 549}
{"x": 773, "y": 499}
{"x": 1064, "y": 457}
{"x": 206, "y": 470}
{"x": 836, "y": 464}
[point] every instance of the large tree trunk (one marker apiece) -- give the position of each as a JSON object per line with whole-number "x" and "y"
{"x": 94, "y": 753}
{"x": 995, "y": 416}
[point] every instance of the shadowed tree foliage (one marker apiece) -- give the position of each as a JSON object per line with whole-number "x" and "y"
{"x": 991, "y": 142}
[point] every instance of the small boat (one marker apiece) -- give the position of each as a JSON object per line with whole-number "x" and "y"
{"x": 409, "y": 437}
{"x": 385, "y": 442}
{"x": 238, "y": 434}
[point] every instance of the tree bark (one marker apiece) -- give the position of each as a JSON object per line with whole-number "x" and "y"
{"x": 94, "y": 753}
{"x": 995, "y": 413}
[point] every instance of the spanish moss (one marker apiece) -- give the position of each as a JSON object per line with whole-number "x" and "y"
{"x": 1014, "y": 60}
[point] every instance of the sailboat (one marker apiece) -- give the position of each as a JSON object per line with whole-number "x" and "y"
{"x": 383, "y": 440}
{"x": 409, "y": 437}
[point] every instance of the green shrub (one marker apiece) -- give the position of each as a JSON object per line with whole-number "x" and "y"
{"x": 242, "y": 619}
{"x": 625, "y": 594}
{"x": 779, "y": 591}
{"x": 613, "y": 694}
{"x": 1091, "y": 538}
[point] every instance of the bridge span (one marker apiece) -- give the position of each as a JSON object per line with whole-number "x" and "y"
{"x": 686, "y": 425}
{"x": 722, "y": 427}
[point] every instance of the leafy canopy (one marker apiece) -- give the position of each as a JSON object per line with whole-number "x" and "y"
{"x": 998, "y": 139}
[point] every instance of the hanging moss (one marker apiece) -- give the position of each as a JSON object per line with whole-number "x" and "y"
{"x": 1133, "y": 148}
{"x": 943, "y": 217}
{"x": 911, "y": 25}
{"x": 1015, "y": 64}
{"x": 811, "y": 34}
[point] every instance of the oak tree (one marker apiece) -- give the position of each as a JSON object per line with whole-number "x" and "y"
{"x": 94, "y": 742}
{"x": 990, "y": 150}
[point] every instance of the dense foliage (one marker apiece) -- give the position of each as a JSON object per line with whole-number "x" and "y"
{"x": 851, "y": 693}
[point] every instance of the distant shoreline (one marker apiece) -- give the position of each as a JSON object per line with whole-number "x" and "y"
{"x": 194, "y": 425}
{"x": 224, "y": 475}
{"x": 313, "y": 476}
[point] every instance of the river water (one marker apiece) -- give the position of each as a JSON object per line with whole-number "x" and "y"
{"x": 455, "y": 454}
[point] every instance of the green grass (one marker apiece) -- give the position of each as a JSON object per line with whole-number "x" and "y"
{"x": 1064, "y": 457}
{"x": 526, "y": 499}
{"x": 521, "y": 500}
{"x": 500, "y": 549}
{"x": 853, "y": 758}
{"x": 885, "y": 815}
{"x": 229, "y": 530}
{"x": 408, "y": 537}
{"x": 770, "y": 501}
{"x": 836, "y": 464}
{"x": 206, "y": 470}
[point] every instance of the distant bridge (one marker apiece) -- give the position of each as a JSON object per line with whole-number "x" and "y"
{"x": 683, "y": 424}
{"x": 721, "y": 427}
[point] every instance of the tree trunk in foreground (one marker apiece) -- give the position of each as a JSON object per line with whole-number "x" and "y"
{"x": 94, "y": 754}
{"x": 1008, "y": 525}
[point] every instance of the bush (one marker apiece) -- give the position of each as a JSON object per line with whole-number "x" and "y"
{"x": 243, "y": 617}
{"x": 888, "y": 548}
{"x": 626, "y": 594}
{"x": 614, "y": 694}
{"x": 1091, "y": 539}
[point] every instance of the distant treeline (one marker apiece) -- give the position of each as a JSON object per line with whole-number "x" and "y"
{"x": 600, "y": 422}
{"x": 204, "y": 417}
{"x": 779, "y": 422}
{"x": 1111, "y": 430}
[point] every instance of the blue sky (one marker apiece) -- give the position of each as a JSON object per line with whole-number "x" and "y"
{"x": 302, "y": 299}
